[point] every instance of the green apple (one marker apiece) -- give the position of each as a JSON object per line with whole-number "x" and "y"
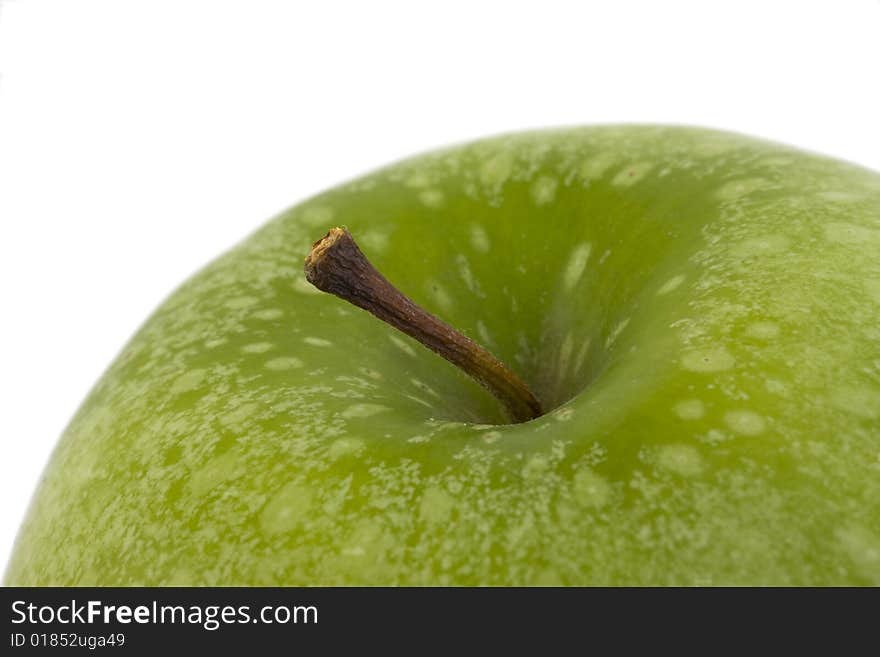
{"x": 697, "y": 311}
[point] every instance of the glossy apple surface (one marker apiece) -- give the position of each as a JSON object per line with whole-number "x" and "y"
{"x": 700, "y": 310}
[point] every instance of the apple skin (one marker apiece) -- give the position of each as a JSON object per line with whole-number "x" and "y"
{"x": 701, "y": 310}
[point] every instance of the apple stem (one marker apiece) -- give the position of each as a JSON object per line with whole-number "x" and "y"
{"x": 336, "y": 265}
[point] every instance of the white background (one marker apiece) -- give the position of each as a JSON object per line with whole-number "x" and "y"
{"x": 139, "y": 139}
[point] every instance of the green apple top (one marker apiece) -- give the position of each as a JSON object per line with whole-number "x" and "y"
{"x": 698, "y": 312}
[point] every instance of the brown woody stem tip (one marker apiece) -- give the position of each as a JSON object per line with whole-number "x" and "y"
{"x": 336, "y": 265}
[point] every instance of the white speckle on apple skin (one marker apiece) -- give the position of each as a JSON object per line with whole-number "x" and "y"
{"x": 238, "y": 417}
{"x": 419, "y": 180}
{"x": 257, "y": 347}
{"x": 491, "y": 436}
{"x": 346, "y": 447}
{"x": 480, "y": 427}
{"x": 745, "y": 423}
{"x": 615, "y": 332}
{"x": 348, "y": 395}
{"x": 440, "y": 296}
{"x": 682, "y": 460}
{"x": 286, "y": 510}
{"x": 283, "y": 363}
{"x": 363, "y": 410}
{"x": 860, "y": 237}
{"x": 188, "y": 381}
{"x": 838, "y": 196}
{"x": 862, "y": 546}
{"x": 581, "y": 356}
{"x": 464, "y": 270}
{"x": 269, "y": 314}
{"x": 484, "y": 335}
{"x": 763, "y": 330}
{"x": 419, "y": 400}
{"x": 317, "y": 342}
{"x": 536, "y": 466}
{"x": 424, "y": 387}
{"x": 547, "y": 577}
{"x": 480, "y": 239}
{"x": 543, "y": 190}
{"x": 564, "y": 357}
{"x": 497, "y": 170}
{"x": 218, "y": 470}
{"x": 862, "y": 402}
{"x": 690, "y": 409}
{"x": 631, "y": 174}
{"x": 713, "y": 359}
{"x": 714, "y": 437}
{"x": 596, "y": 166}
{"x": 563, "y": 414}
{"x": 357, "y": 382}
{"x": 590, "y": 489}
{"x": 373, "y": 374}
{"x": 373, "y": 241}
{"x": 762, "y": 245}
{"x": 671, "y": 285}
{"x": 301, "y": 285}
{"x": 318, "y": 216}
{"x": 402, "y": 344}
{"x": 432, "y": 198}
{"x": 577, "y": 263}
{"x": 241, "y": 302}
{"x": 737, "y": 189}
{"x": 436, "y": 505}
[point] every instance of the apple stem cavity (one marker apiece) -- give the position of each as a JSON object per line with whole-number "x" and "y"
{"x": 336, "y": 265}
